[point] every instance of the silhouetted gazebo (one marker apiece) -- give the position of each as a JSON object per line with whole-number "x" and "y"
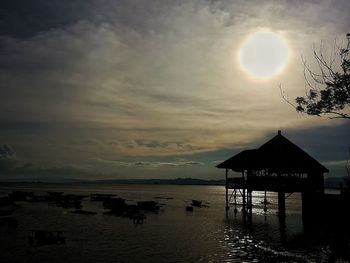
{"x": 279, "y": 166}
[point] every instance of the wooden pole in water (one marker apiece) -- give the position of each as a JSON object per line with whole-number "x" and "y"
{"x": 250, "y": 201}
{"x": 265, "y": 203}
{"x": 281, "y": 199}
{"x": 243, "y": 195}
{"x": 281, "y": 204}
{"x": 227, "y": 205}
{"x": 235, "y": 210}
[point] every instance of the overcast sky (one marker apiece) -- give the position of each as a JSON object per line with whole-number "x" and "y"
{"x": 154, "y": 89}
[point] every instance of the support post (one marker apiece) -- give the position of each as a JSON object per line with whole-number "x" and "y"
{"x": 235, "y": 197}
{"x": 226, "y": 186}
{"x": 265, "y": 203}
{"x": 281, "y": 204}
{"x": 243, "y": 195}
{"x": 250, "y": 201}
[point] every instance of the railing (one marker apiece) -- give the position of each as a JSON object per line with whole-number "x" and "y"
{"x": 273, "y": 183}
{"x": 236, "y": 182}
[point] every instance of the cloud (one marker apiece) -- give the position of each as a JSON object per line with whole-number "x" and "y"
{"x": 12, "y": 167}
{"x": 8, "y": 159}
{"x": 6, "y": 152}
{"x": 153, "y": 164}
{"x": 216, "y": 162}
{"x": 132, "y": 80}
{"x": 337, "y": 163}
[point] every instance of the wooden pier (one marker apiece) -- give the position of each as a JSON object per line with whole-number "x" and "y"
{"x": 277, "y": 166}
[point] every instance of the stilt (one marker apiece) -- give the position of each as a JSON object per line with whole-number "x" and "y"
{"x": 281, "y": 204}
{"x": 281, "y": 167}
{"x": 227, "y": 204}
{"x": 308, "y": 207}
{"x": 243, "y": 201}
{"x": 235, "y": 197}
{"x": 249, "y": 201}
{"x": 243, "y": 195}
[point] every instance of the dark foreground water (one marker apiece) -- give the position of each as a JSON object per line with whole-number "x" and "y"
{"x": 207, "y": 234}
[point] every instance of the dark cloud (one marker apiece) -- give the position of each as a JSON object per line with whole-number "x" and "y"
{"x": 6, "y": 152}
{"x": 13, "y": 168}
{"x": 152, "y": 144}
{"x": 8, "y": 160}
{"x": 154, "y": 164}
{"x": 165, "y": 144}
{"x": 27, "y": 18}
{"x": 326, "y": 143}
{"x": 150, "y": 80}
{"x": 23, "y": 19}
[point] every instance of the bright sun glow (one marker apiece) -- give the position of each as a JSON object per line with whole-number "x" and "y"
{"x": 264, "y": 54}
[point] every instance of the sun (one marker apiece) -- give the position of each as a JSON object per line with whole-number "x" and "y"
{"x": 264, "y": 54}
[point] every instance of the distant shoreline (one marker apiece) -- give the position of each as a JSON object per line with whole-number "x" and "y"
{"x": 177, "y": 181}
{"x": 330, "y": 183}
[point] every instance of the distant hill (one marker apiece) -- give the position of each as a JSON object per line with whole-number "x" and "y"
{"x": 177, "y": 181}
{"x": 333, "y": 182}
{"x": 46, "y": 179}
{"x": 330, "y": 182}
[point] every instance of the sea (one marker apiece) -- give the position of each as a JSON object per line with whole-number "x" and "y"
{"x": 207, "y": 234}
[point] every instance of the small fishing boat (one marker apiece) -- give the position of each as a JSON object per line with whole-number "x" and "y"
{"x": 6, "y": 212}
{"x": 189, "y": 208}
{"x": 19, "y": 195}
{"x": 196, "y": 203}
{"x": 150, "y": 206}
{"x": 138, "y": 218}
{"x": 83, "y": 212}
{"x": 101, "y": 197}
{"x": 45, "y": 237}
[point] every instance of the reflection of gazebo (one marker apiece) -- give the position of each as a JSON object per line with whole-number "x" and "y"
{"x": 279, "y": 166}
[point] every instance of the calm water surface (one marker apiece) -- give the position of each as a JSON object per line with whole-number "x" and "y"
{"x": 173, "y": 235}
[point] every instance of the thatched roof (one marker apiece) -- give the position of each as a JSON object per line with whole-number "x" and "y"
{"x": 277, "y": 155}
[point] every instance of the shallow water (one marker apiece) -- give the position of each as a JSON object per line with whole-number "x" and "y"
{"x": 207, "y": 234}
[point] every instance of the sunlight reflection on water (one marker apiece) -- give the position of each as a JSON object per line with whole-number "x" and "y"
{"x": 173, "y": 235}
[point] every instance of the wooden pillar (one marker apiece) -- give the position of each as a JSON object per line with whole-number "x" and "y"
{"x": 281, "y": 199}
{"x": 243, "y": 195}
{"x": 226, "y": 187}
{"x": 308, "y": 207}
{"x": 305, "y": 207}
{"x": 250, "y": 201}
{"x": 281, "y": 204}
{"x": 235, "y": 197}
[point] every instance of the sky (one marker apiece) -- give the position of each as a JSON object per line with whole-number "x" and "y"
{"x": 95, "y": 89}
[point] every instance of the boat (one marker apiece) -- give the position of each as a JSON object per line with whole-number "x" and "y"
{"x": 45, "y": 237}
{"x": 7, "y": 206}
{"x": 55, "y": 194}
{"x": 17, "y": 195}
{"x": 150, "y": 206}
{"x": 189, "y": 208}
{"x": 114, "y": 203}
{"x": 138, "y": 218}
{"x": 83, "y": 212}
{"x": 39, "y": 198}
{"x": 6, "y": 212}
{"x": 101, "y": 197}
{"x": 196, "y": 203}
{"x": 68, "y": 203}
{"x": 6, "y": 201}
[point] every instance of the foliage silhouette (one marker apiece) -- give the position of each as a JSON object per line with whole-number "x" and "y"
{"x": 328, "y": 90}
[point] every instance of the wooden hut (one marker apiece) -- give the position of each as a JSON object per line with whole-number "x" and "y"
{"x": 279, "y": 166}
